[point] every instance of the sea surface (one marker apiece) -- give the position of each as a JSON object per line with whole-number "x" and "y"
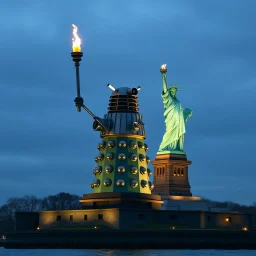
{"x": 65, "y": 252}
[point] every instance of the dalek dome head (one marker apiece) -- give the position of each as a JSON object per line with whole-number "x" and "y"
{"x": 123, "y": 99}
{"x": 123, "y": 117}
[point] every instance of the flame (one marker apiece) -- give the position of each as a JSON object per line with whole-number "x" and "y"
{"x": 164, "y": 66}
{"x": 76, "y": 40}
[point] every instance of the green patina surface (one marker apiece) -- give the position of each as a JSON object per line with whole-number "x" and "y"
{"x": 127, "y": 163}
{"x": 175, "y": 120}
{"x": 176, "y": 152}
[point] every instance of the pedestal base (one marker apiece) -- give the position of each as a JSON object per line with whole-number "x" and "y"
{"x": 171, "y": 175}
{"x": 121, "y": 201}
{"x": 171, "y": 153}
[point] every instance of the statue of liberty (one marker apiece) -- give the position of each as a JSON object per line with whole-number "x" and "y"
{"x": 175, "y": 119}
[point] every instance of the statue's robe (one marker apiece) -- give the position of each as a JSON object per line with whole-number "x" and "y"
{"x": 175, "y": 119}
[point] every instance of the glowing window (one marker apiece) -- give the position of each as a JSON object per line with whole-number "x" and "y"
{"x": 228, "y": 219}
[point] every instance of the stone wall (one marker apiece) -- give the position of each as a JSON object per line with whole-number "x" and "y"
{"x": 133, "y": 219}
{"x": 159, "y": 219}
{"x": 104, "y": 217}
{"x": 136, "y": 239}
{"x": 186, "y": 205}
{"x": 227, "y": 220}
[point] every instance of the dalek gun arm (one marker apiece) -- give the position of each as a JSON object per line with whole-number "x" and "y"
{"x": 99, "y": 124}
{"x": 135, "y": 126}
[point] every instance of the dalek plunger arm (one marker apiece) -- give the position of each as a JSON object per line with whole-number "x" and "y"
{"x": 99, "y": 124}
{"x": 80, "y": 104}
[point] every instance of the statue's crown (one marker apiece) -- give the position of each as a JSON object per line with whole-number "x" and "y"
{"x": 173, "y": 87}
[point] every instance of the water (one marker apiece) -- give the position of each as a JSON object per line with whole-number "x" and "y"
{"x": 65, "y": 252}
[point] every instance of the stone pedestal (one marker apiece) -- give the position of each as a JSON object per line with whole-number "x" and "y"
{"x": 171, "y": 175}
{"x": 121, "y": 200}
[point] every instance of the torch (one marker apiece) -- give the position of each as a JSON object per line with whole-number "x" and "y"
{"x": 77, "y": 57}
{"x": 99, "y": 124}
{"x": 163, "y": 69}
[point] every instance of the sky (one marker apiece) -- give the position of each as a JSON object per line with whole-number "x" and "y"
{"x": 47, "y": 147}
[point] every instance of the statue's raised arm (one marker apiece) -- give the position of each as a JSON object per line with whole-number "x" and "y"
{"x": 167, "y": 100}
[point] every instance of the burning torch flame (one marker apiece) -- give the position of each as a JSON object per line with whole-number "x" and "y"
{"x": 163, "y": 67}
{"x": 76, "y": 40}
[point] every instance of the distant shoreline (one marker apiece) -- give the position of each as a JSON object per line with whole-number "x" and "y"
{"x": 132, "y": 239}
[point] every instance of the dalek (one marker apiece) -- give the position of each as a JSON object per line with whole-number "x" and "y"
{"x": 121, "y": 164}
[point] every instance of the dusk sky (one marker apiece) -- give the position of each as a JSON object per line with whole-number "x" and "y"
{"x": 47, "y": 147}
